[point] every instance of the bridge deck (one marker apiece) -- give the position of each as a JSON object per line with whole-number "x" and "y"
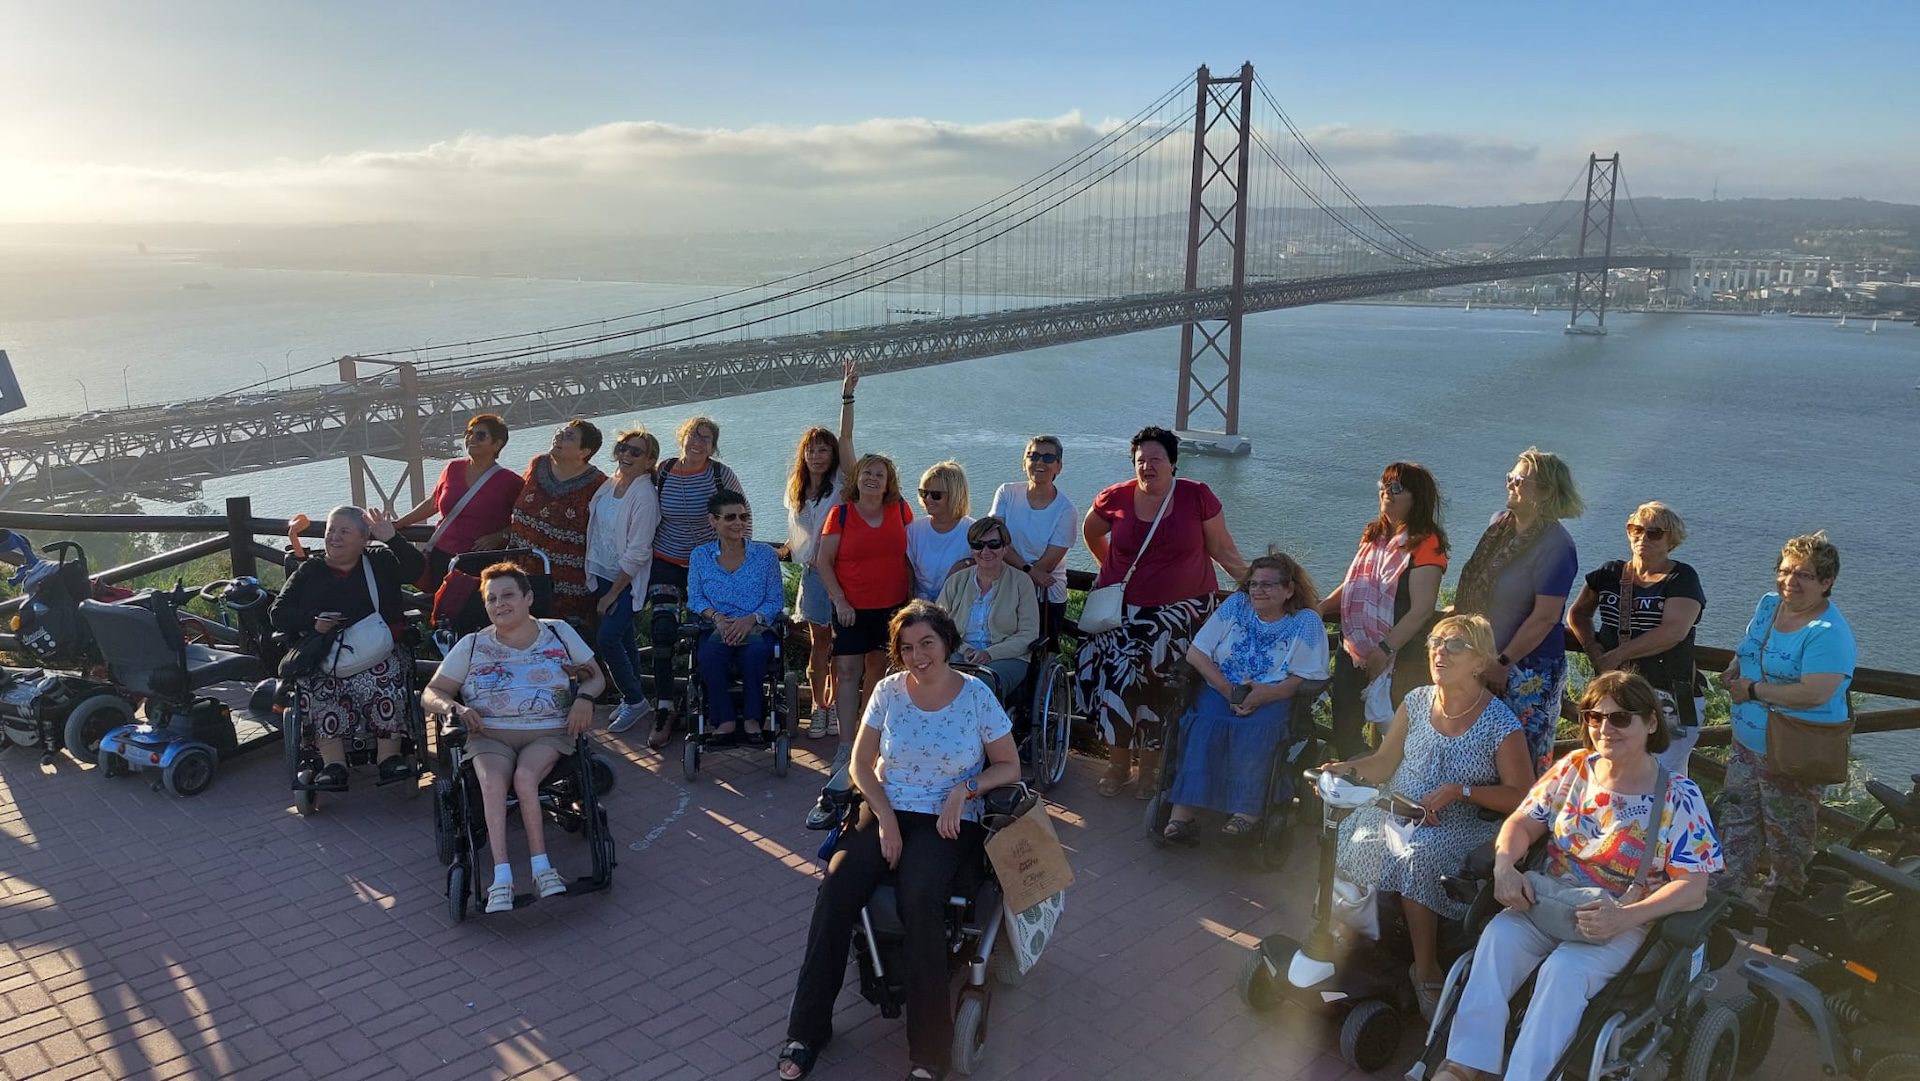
{"x": 222, "y": 936}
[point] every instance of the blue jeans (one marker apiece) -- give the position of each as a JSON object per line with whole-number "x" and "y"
{"x": 615, "y": 643}
{"x": 715, "y": 660}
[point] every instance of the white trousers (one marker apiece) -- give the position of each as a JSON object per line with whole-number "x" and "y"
{"x": 1571, "y": 973}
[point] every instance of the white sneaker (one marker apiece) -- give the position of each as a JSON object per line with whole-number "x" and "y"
{"x": 842, "y": 765}
{"x": 833, "y": 724}
{"x": 548, "y": 882}
{"x": 817, "y": 726}
{"x": 627, "y": 715}
{"x": 500, "y": 897}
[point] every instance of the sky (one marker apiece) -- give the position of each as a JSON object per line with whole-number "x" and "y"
{"x": 636, "y": 115}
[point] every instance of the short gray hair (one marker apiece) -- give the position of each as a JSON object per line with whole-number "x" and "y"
{"x": 355, "y": 514}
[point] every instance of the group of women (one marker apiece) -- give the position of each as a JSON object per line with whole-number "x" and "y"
{"x": 1463, "y": 704}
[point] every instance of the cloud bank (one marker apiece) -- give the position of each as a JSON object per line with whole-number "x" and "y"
{"x": 650, "y": 176}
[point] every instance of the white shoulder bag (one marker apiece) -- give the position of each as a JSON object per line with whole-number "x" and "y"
{"x": 366, "y": 643}
{"x": 1106, "y": 607}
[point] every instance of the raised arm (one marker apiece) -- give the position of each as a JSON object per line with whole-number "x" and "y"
{"x": 849, "y": 379}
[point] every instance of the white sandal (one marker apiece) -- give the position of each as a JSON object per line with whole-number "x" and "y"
{"x": 500, "y": 897}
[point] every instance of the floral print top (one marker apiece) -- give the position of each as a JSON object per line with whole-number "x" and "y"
{"x": 1598, "y": 835}
{"x": 526, "y": 690}
{"x": 923, "y": 755}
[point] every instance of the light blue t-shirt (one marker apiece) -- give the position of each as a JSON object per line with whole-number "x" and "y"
{"x": 978, "y": 634}
{"x": 924, "y": 755}
{"x": 1825, "y": 644}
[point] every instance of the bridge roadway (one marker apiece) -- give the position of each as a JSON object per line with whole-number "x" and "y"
{"x": 166, "y": 450}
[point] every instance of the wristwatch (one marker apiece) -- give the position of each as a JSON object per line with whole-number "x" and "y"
{"x": 1505, "y": 661}
{"x": 1466, "y": 791}
{"x": 973, "y": 786}
{"x": 1386, "y": 647}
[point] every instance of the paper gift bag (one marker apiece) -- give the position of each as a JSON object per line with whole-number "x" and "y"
{"x": 1028, "y": 932}
{"x": 1028, "y": 860}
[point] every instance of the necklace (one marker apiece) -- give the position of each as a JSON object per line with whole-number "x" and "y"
{"x": 1454, "y": 718}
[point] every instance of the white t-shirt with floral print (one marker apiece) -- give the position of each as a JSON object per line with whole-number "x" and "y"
{"x": 924, "y": 755}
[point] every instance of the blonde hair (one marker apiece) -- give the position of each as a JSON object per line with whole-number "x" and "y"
{"x": 694, "y": 424}
{"x": 955, "y": 477}
{"x": 1558, "y": 497}
{"x": 1475, "y": 631}
{"x": 1657, "y": 515}
{"x": 647, "y": 440}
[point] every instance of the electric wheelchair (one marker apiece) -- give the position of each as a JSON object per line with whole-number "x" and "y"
{"x": 1655, "y": 1007}
{"x": 1288, "y": 803}
{"x": 780, "y": 695}
{"x": 569, "y": 798}
{"x": 975, "y": 918}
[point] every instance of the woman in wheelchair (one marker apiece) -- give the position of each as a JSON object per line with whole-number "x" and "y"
{"x": 1457, "y": 750}
{"x": 1253, "y": 652}
{"x": 998, "y": 612}
{"x": 931, "y": 741}
{"x": 331, "y": 593}
{"x": 1593, "y": 809}
{"x": 512, "y": 686}
{"x": 735, "y": 585}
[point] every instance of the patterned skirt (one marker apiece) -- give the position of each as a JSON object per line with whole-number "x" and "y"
{"x": 370, "y": 702}
{"x": 1121, "y": 671}
{"x": 1533, "y": 694}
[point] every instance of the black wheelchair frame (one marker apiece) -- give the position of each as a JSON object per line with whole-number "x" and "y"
{"x": 781, "y": 693}
{"x": 1041, "y": 709}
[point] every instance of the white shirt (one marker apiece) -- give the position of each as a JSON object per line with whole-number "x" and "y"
{"x": 620, "y": 533}
{"x": 924, "y": 755}
{"x": 803, "y": 521}
{"x": 1034, "y": 531}
{"x": 934, "y": 553}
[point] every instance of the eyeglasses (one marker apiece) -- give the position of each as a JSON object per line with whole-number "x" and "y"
{"x": 993, "y": 545}
{"x": 565, "y": 435}
{"x": 1449, "y": 644}
{"x": 1635, "y": 529}
{"x": 1393, "y": 487}
{"x": 1617, "y": 718}
{"x": 1044, "y": 457}
{"x": 1261, "y": 585}
{"x": 932, "y": 495}
{"x": 628, "y": 448}
{"x": 735, "y": 516}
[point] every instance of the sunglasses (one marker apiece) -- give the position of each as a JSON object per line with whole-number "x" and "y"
{"x": 1635, "y": 529}
{"x": 993, "y": 545}
{"x": 1617, "y": 718}
{"x": 1261, "y": 585}
{"x": 628, "y": 448}
{"x": 735, "y": 516}
{"x": 1393, "y": 487}
{"x": 1044, "y": 457}
{"x": 1517, "y": 478}
{"x": 932, "y": 495}
{"x": 1449, "y": 644}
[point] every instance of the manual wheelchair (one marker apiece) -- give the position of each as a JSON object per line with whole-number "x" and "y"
{"x": 1041, "y": 708}
{"x": 780, "y": 693}
{"x": 569, "y": 798}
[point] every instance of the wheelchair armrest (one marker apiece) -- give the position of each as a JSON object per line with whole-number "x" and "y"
{"x": 1011, "y": 800}
{"x": 1867, "y": 869}
{"x": 1478, "y": 866}
{"x": 452, "y": 732}
{"x": 1685, "y": 930}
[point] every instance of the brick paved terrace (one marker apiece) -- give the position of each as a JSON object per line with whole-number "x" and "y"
{"x": 224, "y": 936}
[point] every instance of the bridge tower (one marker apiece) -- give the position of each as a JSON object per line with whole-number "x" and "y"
{"x": 414, "y": 458}
{"x": 1216, "y": 229}
{"x": 1596, "y": 229}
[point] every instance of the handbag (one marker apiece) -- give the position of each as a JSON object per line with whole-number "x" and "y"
{"x": 1555, "y": 900}
{"x": 1813, "y": 752}
{"x": 1106, "y": 607}
{"x": 304, "y": 658}
{"x": 366, "y": 642}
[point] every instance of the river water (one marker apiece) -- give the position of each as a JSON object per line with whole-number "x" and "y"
{"x": 1753, "y": 428}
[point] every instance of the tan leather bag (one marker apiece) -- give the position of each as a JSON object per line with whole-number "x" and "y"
{"x": 1813, "y": 752}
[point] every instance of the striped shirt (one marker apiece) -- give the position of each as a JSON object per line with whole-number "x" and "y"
{"x": 684, "y": 524}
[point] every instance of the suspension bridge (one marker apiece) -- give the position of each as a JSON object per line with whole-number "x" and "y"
{"x": 1207, "y": 205}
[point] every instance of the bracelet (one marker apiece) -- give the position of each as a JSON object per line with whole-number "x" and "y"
{"x": 1504, "y": 661}
{"x": 1386, "y": 647}
{"x": 846, "y": 399}
{"x": 1753, "y": 691}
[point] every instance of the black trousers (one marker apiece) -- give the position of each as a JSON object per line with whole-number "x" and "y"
{"x": 923, "y": 882}
{"x": 666, "y": 580}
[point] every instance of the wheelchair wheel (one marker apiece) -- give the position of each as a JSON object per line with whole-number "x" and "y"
{"x": 110, "y": 764}
{"x": 1757, "y": 1016}
{"x": 1275, "y": 843}
{"x": 790, "y": 704}
{"x": 782, "y": 753}
{"x": 602, "y": 775}
{"x": 457, "y": 893}
{"x": 1896, "y": 1068}
{"x": 290, "y": 722}
{"x": 443, "y": 824}
{"x": 1258, "y": 988}
{"x": 1713, "y": 1049}
{"x": 1369, "y": 1035}
{"x": 91, "y": 720}
{"x": 190, "y": 772}
{"x": 690, "y": 758}
{"x": 305, "y": 800}
{"x": 1155, "y": 819}
{"x": 1006, "y": 967}
{"x": 1051, "y": 729}
{"x": 969, "y": 1032}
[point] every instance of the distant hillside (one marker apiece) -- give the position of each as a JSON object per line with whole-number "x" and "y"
{"x": 1842, "y": 228}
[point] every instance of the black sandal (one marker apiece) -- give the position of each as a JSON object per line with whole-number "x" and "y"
{"x": 331, "y": 778}
{"x": 1239, "y": 826}
{"x": 1181, "y": 831}
{"x": 800, "y": 1054}
{"x": 394, "y": 768}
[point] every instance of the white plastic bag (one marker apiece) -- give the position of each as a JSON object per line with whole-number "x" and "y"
{"x": 1356, "y": 908}
{"x": 1380, "y": 698}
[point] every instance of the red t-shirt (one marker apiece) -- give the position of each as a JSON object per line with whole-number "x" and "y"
{"x": 1176, "y": 566}
{"x": 485, "y": 513}
{"x": 872, "y": 561}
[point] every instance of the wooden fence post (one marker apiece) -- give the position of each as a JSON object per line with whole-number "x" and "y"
{"x": 240, "y": 536}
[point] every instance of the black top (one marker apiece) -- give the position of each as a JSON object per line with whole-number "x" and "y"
{"x": 315, "y": 587}
{"x": 1675, "y": 665}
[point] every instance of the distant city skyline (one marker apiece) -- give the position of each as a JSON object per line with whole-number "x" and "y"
{"x": 757, "y": 114}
